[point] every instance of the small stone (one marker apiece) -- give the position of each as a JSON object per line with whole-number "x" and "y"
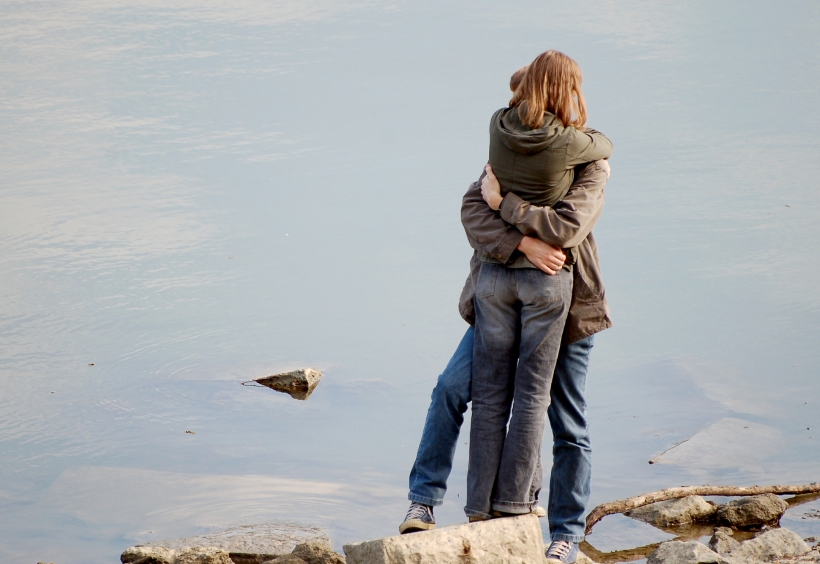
{"x": 754, "y": 511}
{"x": 722, "y": 541}
{"x": 298, "y": 383}
{"x": 771, "y": 545}
{"x": 675, "y": 511}
{"x": 286, "y": 559}
{"x": 147, "y": 555}
{"x": 318, "y": 552}
{"x": 689, "y": 552}
{"x": 202, "y": 555}
{"x": 511, "y": 540}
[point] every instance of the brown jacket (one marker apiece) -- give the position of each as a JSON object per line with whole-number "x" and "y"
{"x": 567, "y": 225}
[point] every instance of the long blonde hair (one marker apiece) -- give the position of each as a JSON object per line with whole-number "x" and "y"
{"x": 552, "y": 83}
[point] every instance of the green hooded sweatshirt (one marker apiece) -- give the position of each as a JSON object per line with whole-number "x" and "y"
{"x": 538, "y": 164}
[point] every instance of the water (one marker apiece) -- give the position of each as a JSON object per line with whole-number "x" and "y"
{"x": 199, "y": 195}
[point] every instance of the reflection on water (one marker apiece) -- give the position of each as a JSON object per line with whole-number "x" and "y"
{"x": 199, "y": 194}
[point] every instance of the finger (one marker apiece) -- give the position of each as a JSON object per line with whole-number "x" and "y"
{"x": 545, "y": 268}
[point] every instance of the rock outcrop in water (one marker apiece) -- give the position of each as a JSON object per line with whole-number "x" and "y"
{"x": 298, "y": 383}
{"x": 755, "y": 511}
{"x": 691, "y": 509}
{"x": 252, "y": 544}
{"x": 774, "y": 545}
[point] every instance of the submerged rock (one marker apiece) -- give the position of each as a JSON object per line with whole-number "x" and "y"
{"x": 298, "y": 383}
{"x": 770, "y": 545}
{"x": 675, "y": 511}
{"x": 511, "y": 540}
{"x": 689, "y": 552}
{"x": 754, "y": 511}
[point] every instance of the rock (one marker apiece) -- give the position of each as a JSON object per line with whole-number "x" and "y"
{"x": 722, "y": 541}
{"x": 148, "y": 555}
{"x": 318, "y": 552}
{"x": 675, "y": 511}
{"x": 689, "y": 552}
{"x": 202, "y": 555}
{"x": 770, "y": 545}
{"x": 286, "y": 559}
{"x": 185, "y": 555}
{"x": 299, "y": 383}
{"x": 511, "y": 540}
{"x": 754, "y": 511}
{"x": 251, "y": 544}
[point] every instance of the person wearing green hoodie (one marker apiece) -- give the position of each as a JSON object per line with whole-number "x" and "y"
{"x": 520, "y": 311}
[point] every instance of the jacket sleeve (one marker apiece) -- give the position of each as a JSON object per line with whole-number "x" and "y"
{"x": 485, "y": 229}
{"x": 587, "y": 146}
{"x": 569, "y": 222}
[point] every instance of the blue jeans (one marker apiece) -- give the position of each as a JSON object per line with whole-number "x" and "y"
{"x": 520, "y": 315}
{"x": 572, "y": 454}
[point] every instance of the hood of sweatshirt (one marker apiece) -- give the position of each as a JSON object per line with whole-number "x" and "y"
{"x": 522, "y": 138}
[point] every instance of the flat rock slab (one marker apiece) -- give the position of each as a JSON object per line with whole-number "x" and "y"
{"x": 187, "y": 555}
{"x": 511, "y": 540}
{"x": 251, "y": 544}
{"x": 690, "y": 509}
{"x": 298, "y": 383}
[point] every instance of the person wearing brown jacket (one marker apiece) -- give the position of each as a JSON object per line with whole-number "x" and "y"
{"x": 508, "y": 228}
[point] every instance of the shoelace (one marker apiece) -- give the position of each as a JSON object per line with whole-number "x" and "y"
{"x": 417, "y": 511}
{"x": 559, "y": 549}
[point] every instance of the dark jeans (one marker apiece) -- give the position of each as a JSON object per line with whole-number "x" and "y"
{"x": 572, "y": 454}
{"x": 520, "y": 315}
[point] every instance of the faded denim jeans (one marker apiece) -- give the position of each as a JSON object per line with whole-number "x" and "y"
{"x": 520, "y": 316}
{"x": 572, "y": 454}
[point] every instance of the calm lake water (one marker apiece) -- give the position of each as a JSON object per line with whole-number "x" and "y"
{"x": 197, "y": 195}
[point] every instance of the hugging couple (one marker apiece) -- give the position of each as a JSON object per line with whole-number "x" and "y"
{"x": 534, "y": 300}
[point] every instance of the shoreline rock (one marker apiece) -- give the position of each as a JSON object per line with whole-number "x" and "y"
{"x": 250, "y": 544}
{"x": 511, "y": 540}
{"x": 754, "y": 511}
{"x": 691, "y": 509}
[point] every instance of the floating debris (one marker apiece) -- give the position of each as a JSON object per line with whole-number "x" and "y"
{"x": 191, "y": 432}
{"x": 298, "y": 383}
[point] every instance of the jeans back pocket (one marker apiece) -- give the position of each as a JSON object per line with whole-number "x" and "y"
{"x": 487, "y": 275}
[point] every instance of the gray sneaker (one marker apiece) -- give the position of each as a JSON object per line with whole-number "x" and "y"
{"x": 562, "y": 552}
{"x": 419, "y": 518}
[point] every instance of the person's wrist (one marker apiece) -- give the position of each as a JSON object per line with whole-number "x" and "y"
{"x": 497, "y": 199}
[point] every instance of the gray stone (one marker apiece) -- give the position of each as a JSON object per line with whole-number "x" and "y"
{"x": 147, "y": 555}
{"x": 722, "y": 541}
{"x": 318, "y": 552}
{"x": 251, "y": 544}
{"x": 511, "y": 540}
{"x": 298, "y": 383}
{"x": 754, "y": 511}
{"x": 202, "y": 555}
{"x": 770, "y": 545}
{"x": 675, "y": 511}
{"x": 286, "y": 559}
{"x": 184, "y": 555}
{"x": 689, "y": 552}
